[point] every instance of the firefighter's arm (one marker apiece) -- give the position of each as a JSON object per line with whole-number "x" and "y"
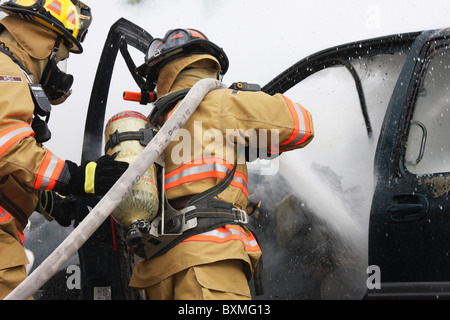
{"x": 280, "y": 124}
{"x": 54, "y": 174}
{"x": 301, "y": 131}
{"x": 39, "y": 168}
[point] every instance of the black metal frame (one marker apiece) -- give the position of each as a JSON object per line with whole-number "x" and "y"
{"x": 121, "y": 34}
{"x": 103, "y": 258}
{"x": 340, "y": 55}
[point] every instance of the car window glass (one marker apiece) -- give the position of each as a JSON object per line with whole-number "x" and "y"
{"x": 428, "y": 144}
{"x": 341, "y": 141}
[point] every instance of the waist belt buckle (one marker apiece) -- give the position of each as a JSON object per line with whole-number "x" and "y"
{"x": 241, "y": 216}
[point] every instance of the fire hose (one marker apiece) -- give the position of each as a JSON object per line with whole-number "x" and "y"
{"x": 109, "y": 202}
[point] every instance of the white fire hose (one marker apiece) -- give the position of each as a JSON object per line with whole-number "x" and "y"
{"x": 108, "y": 203}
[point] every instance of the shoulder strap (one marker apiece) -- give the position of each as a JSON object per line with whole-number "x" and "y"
{"x": 166, "y": 103}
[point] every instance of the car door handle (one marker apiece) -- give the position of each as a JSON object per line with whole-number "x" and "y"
{"x": 407, "y": 207}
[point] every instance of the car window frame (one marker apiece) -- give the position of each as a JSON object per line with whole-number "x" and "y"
{"x": 433, "y": 47}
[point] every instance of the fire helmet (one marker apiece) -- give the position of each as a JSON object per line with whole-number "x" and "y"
{"x": 68, "y": 18}
{"x": 177, "y": 43}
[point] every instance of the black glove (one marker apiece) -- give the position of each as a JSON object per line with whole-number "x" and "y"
{"x": 95, "y": 177}
{"x": 53, "y": 206}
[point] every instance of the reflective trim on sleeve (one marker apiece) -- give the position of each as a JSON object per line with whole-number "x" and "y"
{"x": 49, "y": 172}
{"x": 301, "y": 123}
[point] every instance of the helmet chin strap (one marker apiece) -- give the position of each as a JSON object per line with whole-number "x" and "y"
{"x": 55, "y": 82}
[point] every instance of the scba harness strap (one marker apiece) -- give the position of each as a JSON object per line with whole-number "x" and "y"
{"x": 167, "y": 102}
{"x": 186, "y": 217}
{"x": 203, "y": 206}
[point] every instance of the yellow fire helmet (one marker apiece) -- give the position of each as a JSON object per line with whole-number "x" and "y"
{"x": 68, "y": 18}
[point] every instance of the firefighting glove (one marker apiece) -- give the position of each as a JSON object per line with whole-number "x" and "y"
{"x": 95, "y": 177}
{"x": 53, "y": 206}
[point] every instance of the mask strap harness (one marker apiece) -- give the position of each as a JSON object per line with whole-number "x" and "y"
{"x": 51, "y": 59}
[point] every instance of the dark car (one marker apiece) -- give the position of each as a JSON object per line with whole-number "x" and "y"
{"x": 408, "y": 239}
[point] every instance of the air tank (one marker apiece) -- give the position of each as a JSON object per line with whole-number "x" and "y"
{"x": 142, "y": 201}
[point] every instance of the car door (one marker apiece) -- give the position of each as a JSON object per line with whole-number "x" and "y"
{"x": 409, "y": 242}
{"x": 313, "y": 219}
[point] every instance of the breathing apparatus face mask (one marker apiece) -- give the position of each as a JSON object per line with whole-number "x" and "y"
{"x": 56, "y": 82}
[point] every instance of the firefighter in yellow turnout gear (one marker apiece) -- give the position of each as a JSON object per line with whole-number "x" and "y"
{"x": 219, "y": 262}
{"x": 34, "y": 37}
